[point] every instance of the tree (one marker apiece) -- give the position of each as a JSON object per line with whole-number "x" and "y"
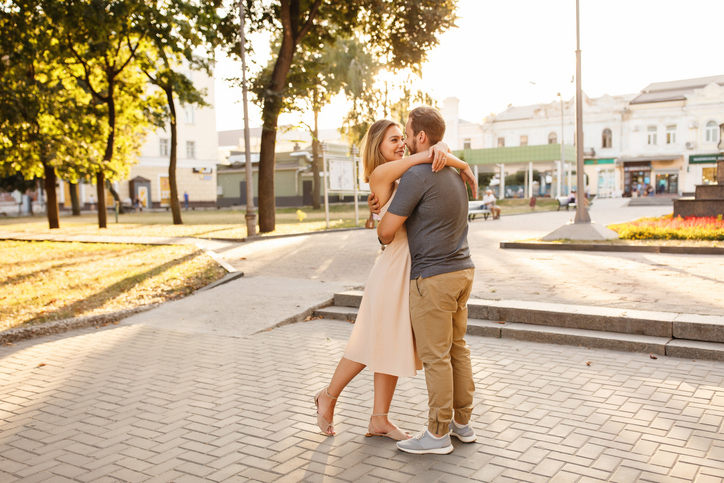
{"x": 176, "y": 30}
{"x": 34, "y": 103}
{"x": 317, "y": 74}
{"x": 99, "y": 40}
{"x": 406, "y": 28}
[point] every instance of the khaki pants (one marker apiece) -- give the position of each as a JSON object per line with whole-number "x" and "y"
{"x": 439, "y": 313}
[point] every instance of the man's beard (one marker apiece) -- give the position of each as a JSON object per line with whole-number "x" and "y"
{"x": 413, "y": 148}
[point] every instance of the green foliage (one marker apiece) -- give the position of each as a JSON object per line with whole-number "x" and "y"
{"x": 519, "y": 177}
{"x": 16, "y": 182}
{"x": 399, "y": 30}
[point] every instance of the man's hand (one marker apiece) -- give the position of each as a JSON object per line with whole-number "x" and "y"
{"x": 438, "y": 154}
{"x": 374, "y": 204}
{"x": 469, "y": 178}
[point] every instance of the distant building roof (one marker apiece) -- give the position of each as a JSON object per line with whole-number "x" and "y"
{"x": 675, "y": 90}
{"x": 514, "y": 113}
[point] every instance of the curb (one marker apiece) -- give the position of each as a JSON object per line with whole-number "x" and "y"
{"x": 584, "y": 247}
{"x": 64, "y": 325}
{"x": 300, "y": 317}
{"x": 664, "y": 333}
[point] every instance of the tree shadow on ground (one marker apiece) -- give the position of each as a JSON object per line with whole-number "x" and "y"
{"x": 99, "y": 299}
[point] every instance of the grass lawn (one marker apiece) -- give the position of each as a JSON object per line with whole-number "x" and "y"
{"x": 200, "y": 224}
{"x": 45, "y": 281}
{"x": 521, "y": 205}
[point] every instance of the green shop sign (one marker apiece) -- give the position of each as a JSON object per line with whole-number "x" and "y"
{"x": 599, "y": 161}
{"x": 705, "y": 158}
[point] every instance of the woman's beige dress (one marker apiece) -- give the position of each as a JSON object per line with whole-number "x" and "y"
{"x": 382, "y": 337}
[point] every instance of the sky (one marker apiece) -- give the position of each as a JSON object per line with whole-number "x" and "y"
{"x": 522, "y": 52}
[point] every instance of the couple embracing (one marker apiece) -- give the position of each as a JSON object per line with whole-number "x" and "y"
{"x": 414, "y": 308}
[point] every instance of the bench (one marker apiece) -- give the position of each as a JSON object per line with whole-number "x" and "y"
{"x": 477, "y": 208}
{"x": 564, "y": 201}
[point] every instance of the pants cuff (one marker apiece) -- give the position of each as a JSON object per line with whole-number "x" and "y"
{"x": 438, "y": 427}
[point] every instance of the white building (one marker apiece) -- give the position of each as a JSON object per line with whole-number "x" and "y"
{"x": 666, "y": 136}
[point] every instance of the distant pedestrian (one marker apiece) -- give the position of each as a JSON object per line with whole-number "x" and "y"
{"x": 186, "y": 200}
{"x": 92, "y": 201}
{"x": 533, "y": 200}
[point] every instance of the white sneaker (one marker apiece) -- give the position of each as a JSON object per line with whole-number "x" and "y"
{"x": 426, "y": 443}
{"x": 466, "y": 434}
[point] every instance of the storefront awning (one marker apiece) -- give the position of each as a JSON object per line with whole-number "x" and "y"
{"x": 651, "y": 158}
{"x": 705, "y": 158}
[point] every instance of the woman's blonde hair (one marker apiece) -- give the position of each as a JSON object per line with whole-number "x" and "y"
{"x": 371, "y": 156}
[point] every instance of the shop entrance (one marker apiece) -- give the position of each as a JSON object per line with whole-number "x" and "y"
{"x": 667, "y": 184}
{"x": 637, "y": 177}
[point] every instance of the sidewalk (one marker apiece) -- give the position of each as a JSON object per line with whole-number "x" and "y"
{"x": 211, "y": 388}
{"x": 143, "y": 403}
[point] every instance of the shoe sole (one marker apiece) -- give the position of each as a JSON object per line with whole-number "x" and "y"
{"x": 464, "y": 439}
{"x": 445, "y": 450}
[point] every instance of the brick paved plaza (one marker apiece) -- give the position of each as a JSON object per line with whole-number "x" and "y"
{"x": 134, "y": 403}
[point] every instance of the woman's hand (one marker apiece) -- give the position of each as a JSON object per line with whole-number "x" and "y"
{"x": 438, "y": 154}
{"x": 469, "y": 177}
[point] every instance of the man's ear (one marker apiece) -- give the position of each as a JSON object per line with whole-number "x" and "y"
{"x": 422, "y": 137}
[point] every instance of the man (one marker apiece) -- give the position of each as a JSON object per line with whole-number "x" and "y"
{"x": 489, "y": 201}
{"x": 434, "y": 208}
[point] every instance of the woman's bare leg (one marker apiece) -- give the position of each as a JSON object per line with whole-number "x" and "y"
{"x": 345, "y": 372}
{"x": 385, "y": 385}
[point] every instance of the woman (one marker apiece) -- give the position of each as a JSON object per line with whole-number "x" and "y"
{"x": 382, "y": 337}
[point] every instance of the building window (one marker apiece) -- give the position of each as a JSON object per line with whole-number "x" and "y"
{"x": 552, "y": 138}
{"x": 189, "y": 114}
{"x": 524, "y": 140}
{"x": 163, "y": 147}
{"x": 712, "y": 132}
{"x": 607, "y": 139}
{"x": 651, "y": 139}
{"x": 191, "y": 149}
{"x": 708, "y": 176}
{"x": 501, "y": 142}
{"x": 466, "y": 143}
{"x": 670, "y": 134}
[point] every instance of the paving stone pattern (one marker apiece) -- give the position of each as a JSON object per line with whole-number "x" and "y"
{"x": 135, "y": 403}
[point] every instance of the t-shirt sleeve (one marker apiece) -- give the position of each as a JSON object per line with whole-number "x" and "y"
{"x": 409, "y": 193}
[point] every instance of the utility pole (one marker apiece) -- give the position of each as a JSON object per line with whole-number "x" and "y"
{"x": 559, "y": 185}
{"x": 250, "y": 213}
{"x": 581, "y": 210}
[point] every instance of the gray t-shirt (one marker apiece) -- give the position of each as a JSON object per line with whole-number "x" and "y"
{"x": 437, "y": 224}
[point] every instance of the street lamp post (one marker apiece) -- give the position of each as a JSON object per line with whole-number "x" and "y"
{"x": 581, "y": 228}
{"x": 563, "y": 155}
{"x": 581, "y": 210}
{"x": 250, "y": 213}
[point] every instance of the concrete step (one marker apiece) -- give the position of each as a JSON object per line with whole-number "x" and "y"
{"x": 704, "y": 328}
{"x": 661, "y": 333}
{"x": 652, "y": 201}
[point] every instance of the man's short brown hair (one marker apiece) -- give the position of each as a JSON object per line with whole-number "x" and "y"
{"x": 428, "y": 119}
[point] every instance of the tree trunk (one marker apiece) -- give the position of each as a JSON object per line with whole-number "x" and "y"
{"x": 175, "y": 204}
{"x": 107, "y": 157}
{"x": 74, "y": 201}
{"x": 52, "y": 196}
{"x": 270, "y": 116}
{"x": 114, "y": 193}
{"x": 315, "y": 162}
{"x": 101, "y": 193}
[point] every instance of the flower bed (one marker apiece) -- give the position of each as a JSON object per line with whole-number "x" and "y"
{"x": 670, "y": 228}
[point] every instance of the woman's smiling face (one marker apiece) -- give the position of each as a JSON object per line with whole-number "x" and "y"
{"x": 392, "y": 147}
